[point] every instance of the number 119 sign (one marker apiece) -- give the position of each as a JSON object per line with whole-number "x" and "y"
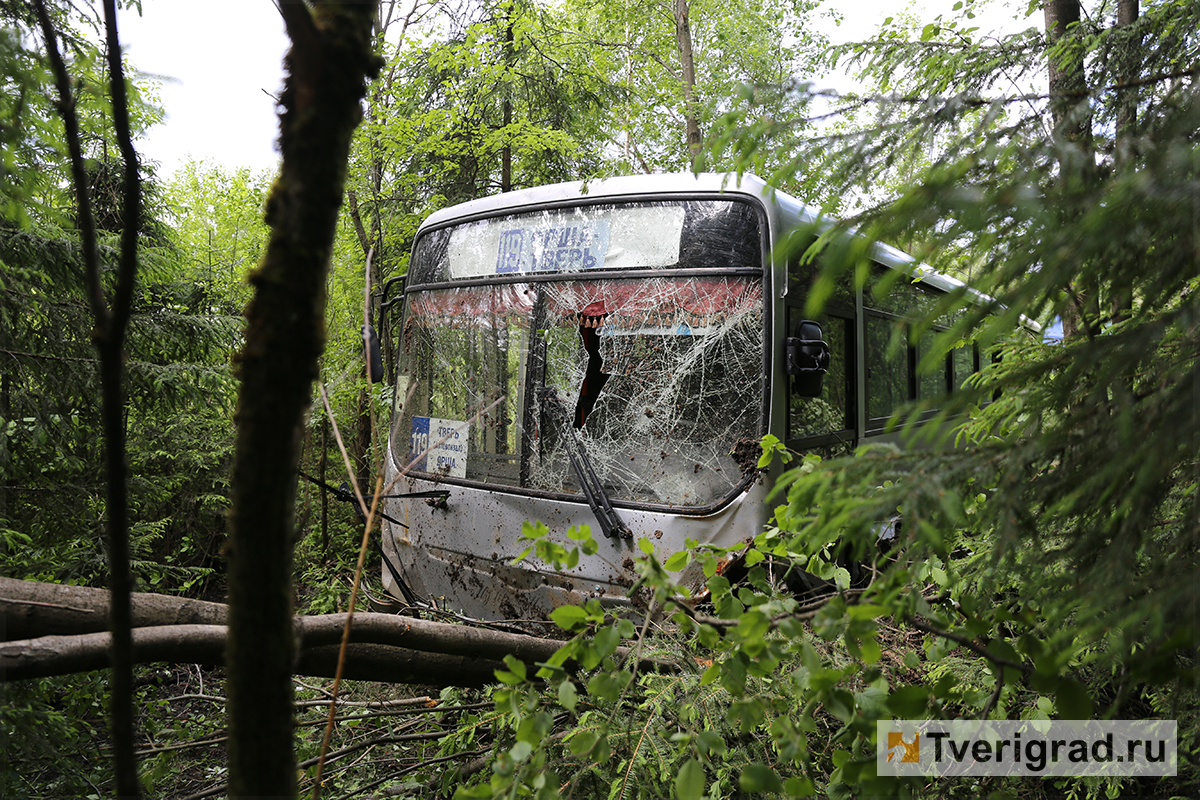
{"x": 440, "y": 446}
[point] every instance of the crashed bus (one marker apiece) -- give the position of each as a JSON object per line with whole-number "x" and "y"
{"x": 611, "y": 354}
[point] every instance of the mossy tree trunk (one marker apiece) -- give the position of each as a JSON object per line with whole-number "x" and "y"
{"x": 328, "y": 66}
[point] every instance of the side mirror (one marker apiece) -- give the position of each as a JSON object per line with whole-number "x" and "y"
{"x": 371, "y": 354}
{"x": 807, "y": 359}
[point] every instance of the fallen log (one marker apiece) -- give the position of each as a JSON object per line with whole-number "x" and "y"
{"x": 53, "y": 629}
{"x": 45, "y": 656}
{"x": 45, "y": 609}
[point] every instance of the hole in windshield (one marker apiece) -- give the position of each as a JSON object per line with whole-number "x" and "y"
{"x": 591, "y": 319}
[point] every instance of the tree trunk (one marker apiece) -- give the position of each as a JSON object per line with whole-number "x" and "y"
{"x": 506, "y": 152}
{"x": 1127, "y": 14}
{"x": 108, "y": 335}
{"x": 687, "y": 63}
{"x": 1071, "y": 116}
{"x": 323, "y": 464}
{"x": 50, "y": 621}
{"x": 1067, "y": 82}
{"x": 34, "y": 609}
{"x": 205, "y": 645}
{"x": 1127, "y": 99}
{"x": 360, "y": 454}
{"x": 328, "y": 65}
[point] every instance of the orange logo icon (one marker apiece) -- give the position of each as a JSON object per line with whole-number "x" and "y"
{"x": 909, "y": 752}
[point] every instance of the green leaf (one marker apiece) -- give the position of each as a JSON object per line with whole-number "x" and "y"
{"x": 840, "y": 703}
{"x": 516, "y": 665}
{"x": 567, "y": 695}
{"x": 711, "y": 743}
{"x": 759, "y": 778}
{"x": 690, "y": 782}
{"x": 646, "y": 546}
{"x": 504, "y": 676}
{"x": 582, "y": 743}
{"x": 770, "y": 446}
{"x": 520, "y": 751}
{"x": 604, "y": 686}
{"x": 533, "y": 530}
{"x": 678, "y": 561}
{"x": 1003, "y": 649}
{"x": 568, "y": 617}
{"x": 866, "y": 611}
{"x": 799, "y": 787}
{"x": 908, "y": 702}
{"x": 1073, "y": 700}
{"x": 607, "y": 639}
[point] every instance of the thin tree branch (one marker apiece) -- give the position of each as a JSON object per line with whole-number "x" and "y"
{"x": 108, "y": 335}
{"x": 112, "y": 378}
{"x": 358, "y": 569}
{"x": 970, "y": 645}
{"x": 412, "y": 768}
{"x": 132, "y": 201}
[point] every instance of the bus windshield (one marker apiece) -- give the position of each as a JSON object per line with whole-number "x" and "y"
{"x": 661, "y": 377}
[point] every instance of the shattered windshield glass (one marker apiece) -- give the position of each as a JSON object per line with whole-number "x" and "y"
{"x": 662, "y": 378}
{"x": 658, "y": 376}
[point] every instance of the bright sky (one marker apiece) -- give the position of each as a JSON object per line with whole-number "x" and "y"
{"x": 221, "y": 66}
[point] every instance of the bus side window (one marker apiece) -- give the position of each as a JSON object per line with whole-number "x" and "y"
{"x": 964, "y": 363}
{"x": 936, "y": 382}
{"x": 887, "y": 369}
{"x": 830, "y": 412}
{"x": 893, "y": 377}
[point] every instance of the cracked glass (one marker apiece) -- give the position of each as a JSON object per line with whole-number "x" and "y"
{"x": 660, "y": 376}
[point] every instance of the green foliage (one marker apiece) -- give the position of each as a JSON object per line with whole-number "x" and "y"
{"x": 178, "y": 379}
{"x": 1044, "y": 566}
{"x": 739, "y": 49}
{"x": 180, "y": 391}
{"x": 32, "y": 146}
{"x": 1046, "y": 517}
{"x": 45, "y": 724}
{"x": 216, "y": 218}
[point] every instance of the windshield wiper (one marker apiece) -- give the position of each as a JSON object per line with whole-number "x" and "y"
{"x": 610, "y": 524}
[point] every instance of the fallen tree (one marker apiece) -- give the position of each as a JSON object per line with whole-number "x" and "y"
{"x": 205, "y": 644}
{"x": 54, "y": 629}
{"x": 47, "y": 609}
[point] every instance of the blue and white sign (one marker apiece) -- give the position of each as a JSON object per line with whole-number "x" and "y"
{"x": 440, "y": 446}
{"x": 558, "y": 248}
{"x": 567, "y": 240}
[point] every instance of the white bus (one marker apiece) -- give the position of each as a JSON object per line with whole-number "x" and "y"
{"x": 611, "y": 354}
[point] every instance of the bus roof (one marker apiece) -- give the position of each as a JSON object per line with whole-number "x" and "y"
{"x": 685, "y": 183}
